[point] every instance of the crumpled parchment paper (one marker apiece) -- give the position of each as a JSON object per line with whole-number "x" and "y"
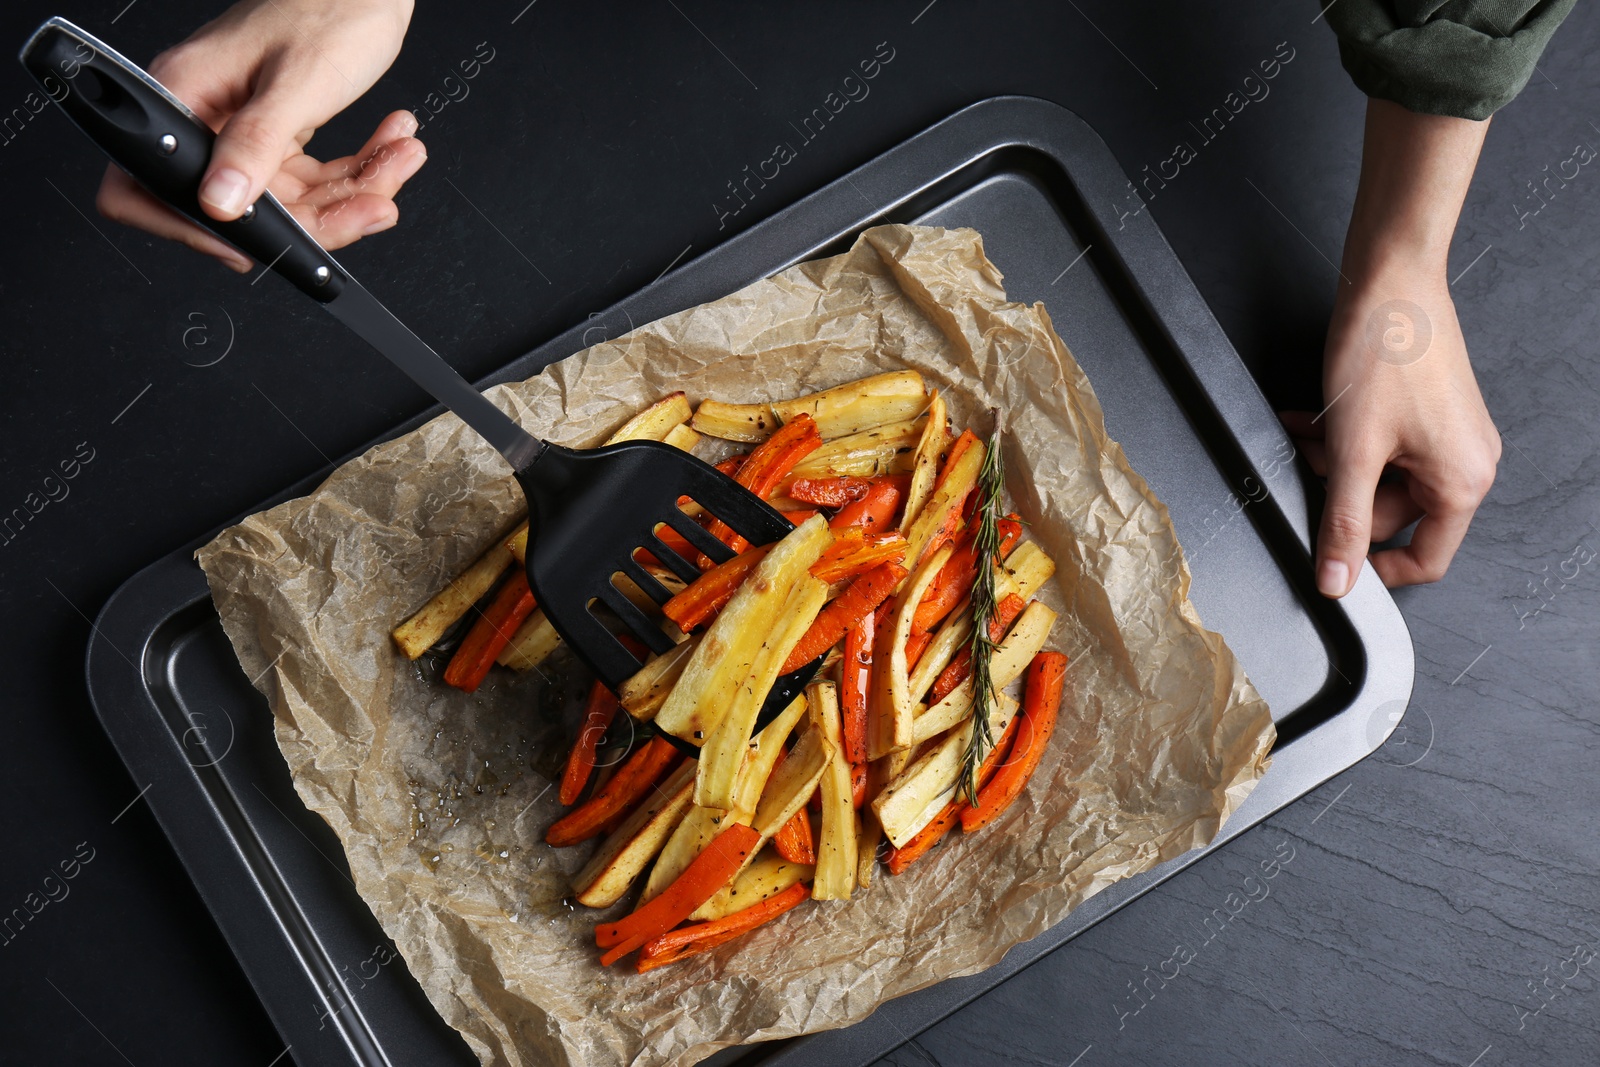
{"x": 441, "y": 798}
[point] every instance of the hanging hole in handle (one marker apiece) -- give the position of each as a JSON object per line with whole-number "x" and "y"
{"x": 95, "y": 88}
{"x": 112, "y": 100}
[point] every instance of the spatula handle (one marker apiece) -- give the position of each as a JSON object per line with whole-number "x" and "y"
{"x": 149, "y": 133}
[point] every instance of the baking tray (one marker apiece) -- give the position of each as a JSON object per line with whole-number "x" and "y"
{"x": 1057, "y": 216}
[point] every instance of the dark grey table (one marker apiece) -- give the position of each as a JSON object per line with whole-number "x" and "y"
{"x": 1438, "y": 904}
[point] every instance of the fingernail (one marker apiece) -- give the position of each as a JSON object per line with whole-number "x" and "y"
{"x": 226, "y": 190}
{"x": 238, "y": 266}
{"x": 408, "y": 125}
{"x": 1333, "y": 577}
{"x": 380, "y": 226}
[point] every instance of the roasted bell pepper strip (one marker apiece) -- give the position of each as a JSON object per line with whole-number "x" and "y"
{"x": 795, "y": 516}
{"x": 844, "y": 611}
{"x": 768, "y": 464}
{"x": 845, "y": 542}
{"x": 708, "y": 594}
{"x": 830, "y": 492}
{"x": 491, "y": 633}
{"x": 678, "y": 544}
{"x": 855, "y": 677}
{"x": 853, "y": 553}
{"x": 636, "y": 777}
{"x": 956, "y": 576}
{"x": 794, "y": 841}
{"x": 696, "y": 938}
{"x": 1041, "y": 700}
{"x": 1006, "y": 613}
{"x": 699, "y": 882}
{"x": 597, "y": 715}
{"x": 876, "y": 510}
{"x": 772, "y": 460}
{"x": 924, "y": 839}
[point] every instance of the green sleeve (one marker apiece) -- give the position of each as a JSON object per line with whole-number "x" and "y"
{"x": 1465, "y": 58}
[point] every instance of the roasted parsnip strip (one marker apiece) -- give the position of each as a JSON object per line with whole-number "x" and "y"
{"x": 749, "y": 423}
{"x": 1012, "y": 656}
{"x": 952, "y": 638}
{"x": 533, "y": 643}
{"x": 950, "y": 815}
{"x": 655, "y": 422}
{"x": 681, "y": 437}
{"x": 727, "y": 653}
{"x": 861, "y": 404}
{"x": 935, "y": 437}
{"x": 868, "y": 834}
{"x": 922, "y": 789}
{"x": 890, "y": 727}
{"x": 766, "y": 876}
{"x": 700, "y": 825}
{"x": 1030, "y": 568}
{"x": 791, "y": 785}
{"x": 762, "y": 754}
{"x": 644, "y": 693}
{"x": 624, "y": 855}
{"x": 903, "y": 700}
{"x": 943, "y": 509}
{"x": 518, "y": 543}
{"x": 417, "y": 634}
{"x": 840, "y": 411}
{"x": 723, "y": 753}
{"x": 836, "y": 845}
{"x": 871, "y": 452}
{"x": 1024, "y": 574}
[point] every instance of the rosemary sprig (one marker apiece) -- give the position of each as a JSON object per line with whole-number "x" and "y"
{"x": 986, "y": 544}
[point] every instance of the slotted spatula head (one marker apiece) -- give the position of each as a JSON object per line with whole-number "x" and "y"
{"x": 590, "y": 511}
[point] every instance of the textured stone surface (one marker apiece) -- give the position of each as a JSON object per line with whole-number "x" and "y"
{"x": 592, "y": 153}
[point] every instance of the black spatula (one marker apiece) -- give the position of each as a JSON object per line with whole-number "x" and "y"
{"x": 589, "y": 511}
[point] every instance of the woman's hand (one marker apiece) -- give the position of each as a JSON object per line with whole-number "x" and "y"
{"x": 1405, "y": 435}
{"x": 265, "y": 76}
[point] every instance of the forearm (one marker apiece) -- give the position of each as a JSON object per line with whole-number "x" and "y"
{"x": 1415, "y": 170}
